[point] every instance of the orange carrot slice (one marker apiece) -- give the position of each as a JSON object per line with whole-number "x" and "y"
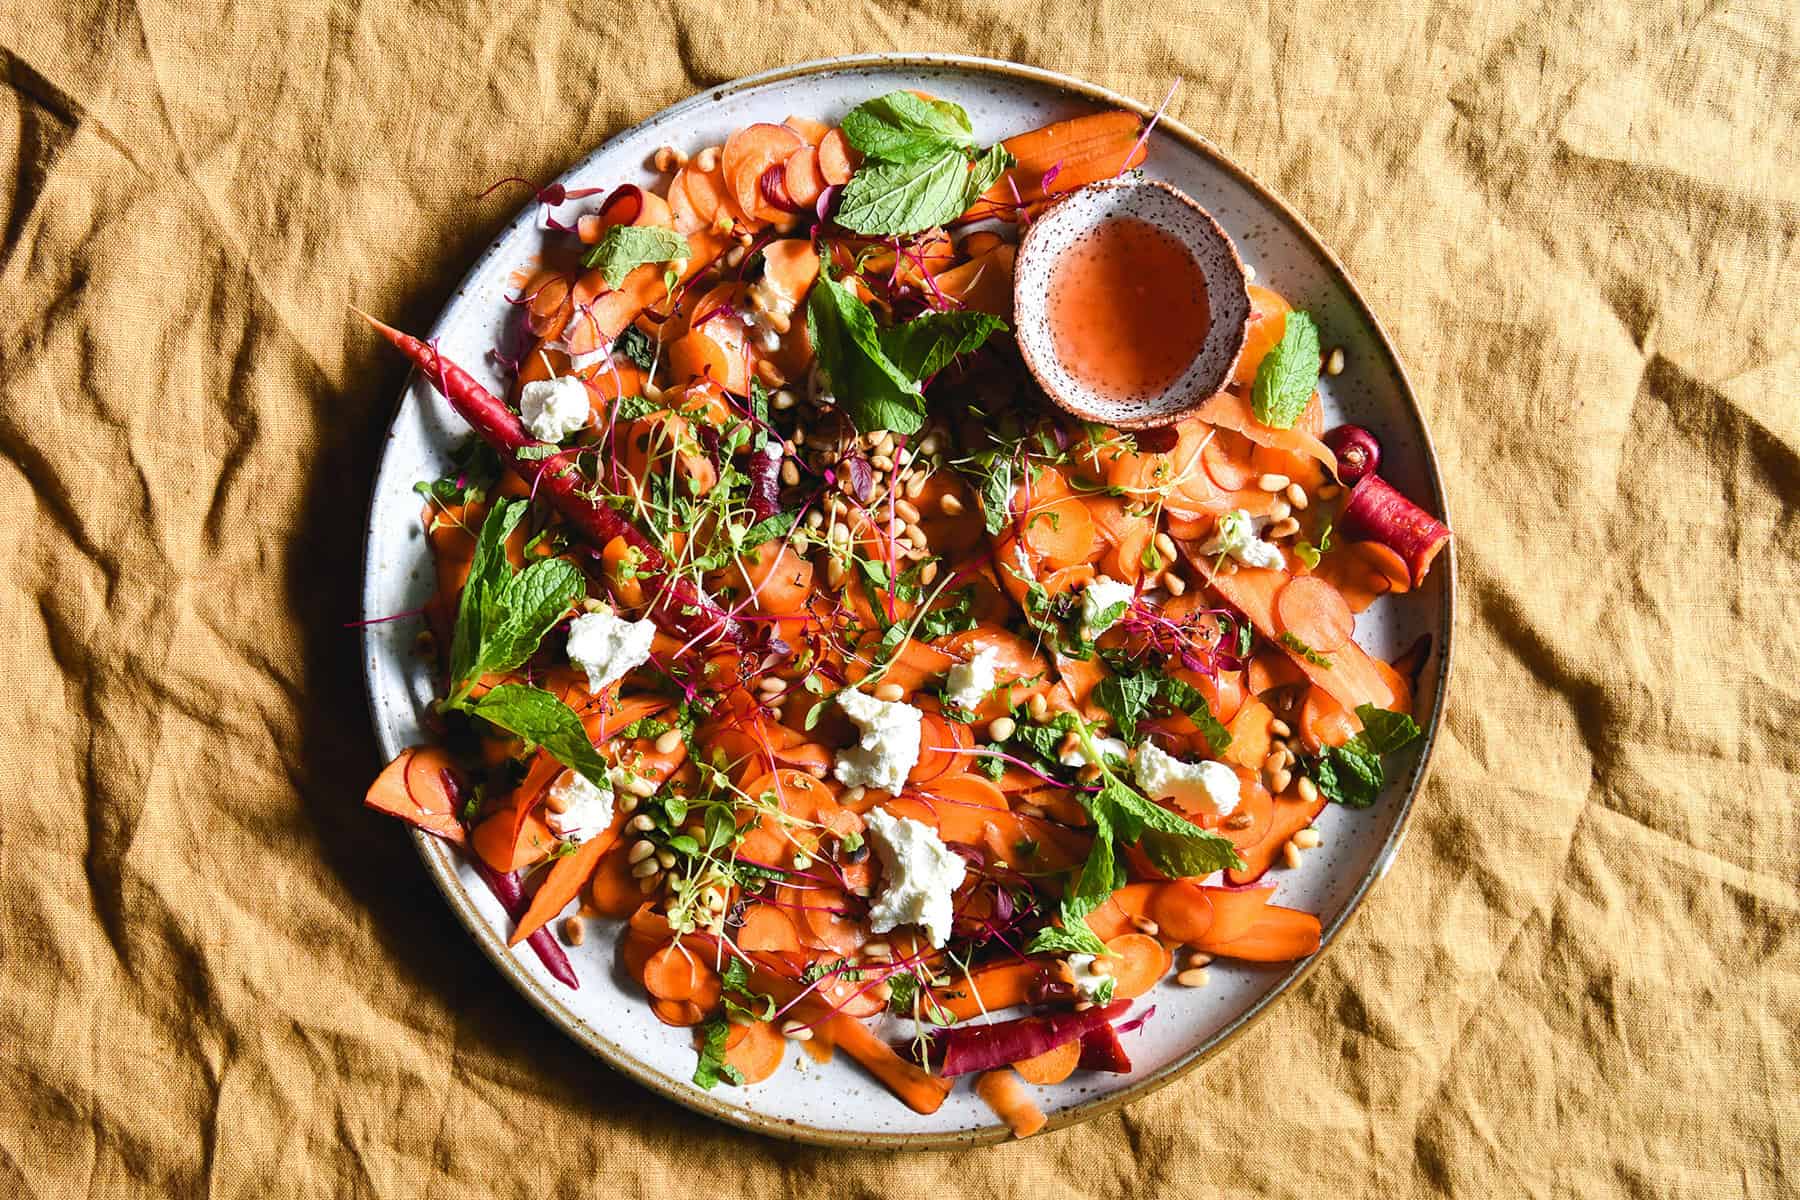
{"x": 414, "y": 788}
{"x": 1052, "y": 1066}
{"x": 757, "y": 1054}
{"x": 802, "y": 177}
{"x": 988, "y": 989}
{"x": 1007, "y": 1097}
{"x": 1278, "y": 935}
{"x": 1268, "y": 321}
{"x": 767, "y": 929}
{"x": 1314, "y": 611}
{"x": 748, "y": 153}
{"x": 1138, "y": 962}
{"x": 613, "y": 890}
{"x": 837, "y": 160}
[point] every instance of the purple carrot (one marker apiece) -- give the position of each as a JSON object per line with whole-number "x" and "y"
{"x": 512, "y": 899}
{"x": 683, "y": 610}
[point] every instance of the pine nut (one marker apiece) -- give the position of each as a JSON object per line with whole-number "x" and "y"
{"x": 881, "y": 441}
{"x": 1280, "y": 728}
{"x": 915, "y": 487}
{"x": 640, "y": 824}
{"x": 1029, "y": 811}
{"x": 707, "y": 161}
{"x": 735, "y": 256}
{"x": 785, "y": 399}
{"x": 1272, "y": 482}
{"x": 1101, "y": 966}
{"x": 668, "y": 158}
{"x": 1146, "y": 926}
{"x": 1272, "y": 761}
{"x": 648, "y": 884}
{"x": 1329, "y": 491}
{"x": 855, "y": 794}
{"x": 640, "y": 850}
{"x": 666, "y": 859}
{"x": 1307, "y": 839}
{"x": 834, "y": 573}
{"x": 668, "y": 741}
{"x": 790, "y": 473}
{"x": 1280, "y": 510}
{"x": 1199, "y": 958}
{"x": 909, "y": 512}
{"x": 917, "y": 536}
{"x": 1174, "y": 584}
{"x": 556, "y": 801}
{"x": 881, "y": 462}
{"x": 877, "y": 951}
{"x": 629, "y": 803}
{"x": 1002, "y": 728}
{"x": 1194, "y": 978}
{"x": 1309, "y": 791}
{"x": 1083, "y": 1005}
{"x": 1290, "y": 856}
{"x": 794, "y": 1031}
{"x": 1286, "y": 527}
{"x": 1297, "y": 497}
{"x": 950, "y": 505}
{"x": 802, "y": 861}
{"x": 1334, "y": 362}
{"x": 929, "y": 573}
{"x": 574, "y": 931}
{"x": 646, "y": 869}
{"x": 1038, "y": 707}
{"x": 1278, "y": 783}
{"x": 928, "y": 445}
{"x": 903, "y": 457}
{"x": 889, "y": 692}
{"x": 1165, "y": 546}
{"x": 643, "y": 788}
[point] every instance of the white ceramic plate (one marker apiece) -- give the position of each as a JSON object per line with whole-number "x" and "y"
{"x": 837, "y": 1103}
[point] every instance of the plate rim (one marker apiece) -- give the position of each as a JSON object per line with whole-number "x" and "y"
{"x": 436, "y": 855}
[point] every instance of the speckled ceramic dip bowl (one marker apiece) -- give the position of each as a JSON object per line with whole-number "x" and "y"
{"x": 836, "y": 1103}
{"x": 1075, "y": 218}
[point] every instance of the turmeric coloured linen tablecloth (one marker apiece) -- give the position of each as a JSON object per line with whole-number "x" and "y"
{"x": 219, "y": 975}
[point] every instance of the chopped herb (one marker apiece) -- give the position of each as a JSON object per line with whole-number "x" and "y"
{"x": 1288, "y": 374}
{"x": 623, "y": 248}
{"x": 1305, "y": 651}
{"x": 636, "y": 347}
{"x": 1351, "y": 774}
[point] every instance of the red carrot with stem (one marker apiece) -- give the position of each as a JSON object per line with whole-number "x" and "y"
{"x": 678, "y": 606}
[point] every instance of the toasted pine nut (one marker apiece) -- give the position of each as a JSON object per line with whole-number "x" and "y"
{"x": 1174, "y": 584}
{"x": 1198, "y": 958}
{"x": 637, "y": 785}
{"x": 1038, "y": 707}
{"x": 556, "y": 801}
{"x": 1273, "y": 482}
{"x": 856, "y": 793}
{"x": 1101, "y": 966}
{"x": 794, "y": 1031}
{"x": 1196, "y": 977}
{"x": 629, "y": 803}
{"x": 1290, "y": 855}
{"x": 1001, "y": 728}
{"x": 668, "y": 741}
{"x": 790, "y": 473}
{"x": 1334, "y": 362}
{"x": 929, "y": 573}
{"x": 648, "y": 883}
{"x": 1309, "y": 791}
{"x": 1296, "y": 496}
{"x": 707, "y": 160}
{"x": 909, "y": 512}
{"x": 889, "y": 692}
{"x": 1307, "y": 838}
{"x": 1146, "y": 926}
{"x": 881, "y": 462}
{"x": 950, "y": 505}
{"x": 1280, "y": 510}
{"x": 640, "y": 850}
{"x": 640, "y": 824}
{"x": 646, "y": 869}
{"x": 877, "y": 951}
{"x": 574, "y": 931}
{"x": 1286, "y": 527}
{"x": 1279, "y": 728}
{"x": 1165, "y": 545}
{"x": 666, "y": 859}
{"x": 915, "y": 487}
{"x": 1278, "y": 783}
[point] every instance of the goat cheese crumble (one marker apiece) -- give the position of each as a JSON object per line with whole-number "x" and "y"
{"x": 1076, "y": 754}
{"x": 1104, "y": 593}
{"x": 606, "y": 646}
{"x": 889, "y": 747}
{"x": 1195, "y": 787}
{"x": 918, "y": 873}
{"x": 586, "y": 809}
{"x": 968, "y": 683}
{"x": 1236, "y": 536}
{"x": 554, "y": 408}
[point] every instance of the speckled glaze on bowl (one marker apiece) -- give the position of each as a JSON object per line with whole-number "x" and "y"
{"x": 836, "y": 1103}
{"x": 1074, "y": 218}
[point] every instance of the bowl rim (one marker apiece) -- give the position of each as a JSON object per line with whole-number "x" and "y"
{"x": 436, "y": 854}
{"x": 1203, "y": 389}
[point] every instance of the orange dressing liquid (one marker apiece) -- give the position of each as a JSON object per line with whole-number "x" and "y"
{"x": 1128, "y": 309}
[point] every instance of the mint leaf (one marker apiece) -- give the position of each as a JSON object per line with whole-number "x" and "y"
{"x": 1383, "y": 731}
{"x": 1126, "y": 698}
{"x": 488, "y": 573}
{"x": 636, "y": 346}
{"x": 1286, "y": 377}
{"x": 984, "y": 173}
{"x": 623, "y": 248}
{"x": 905, "y": 197}
{"x": 1185, "y": 697}
{"x": 1074, "y": 936}
{"x": 529, "y": 605}
{"x": 767, "y": 530}
{"x": 926, "y": 344}
{"x": 712, "y": 1066}
{"x": 543, "y": 720}
{"x": 1182, "y": 857}
{"x": 900, "y": 127}
{"x": 872, "y": 391}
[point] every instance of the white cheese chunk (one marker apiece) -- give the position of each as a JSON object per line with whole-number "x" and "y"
{"x": 968, "y": 683}
{"x": 918, "y": 875}
{"x": 1089, "y": 982}
{"x": 1103, "y": 593}
{"x": 607, "y": 646}
{"x": 1209, "y": 787}
{"x": 1236, "y": 536}
{"x": 888, "y": 749}
{"x": 1076, "y": 754}
{"x": 554, "y": 408}
{"x": 586, "y": 809}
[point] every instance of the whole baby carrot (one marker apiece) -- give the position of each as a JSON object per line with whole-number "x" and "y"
{"x": 683, "y": 609}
